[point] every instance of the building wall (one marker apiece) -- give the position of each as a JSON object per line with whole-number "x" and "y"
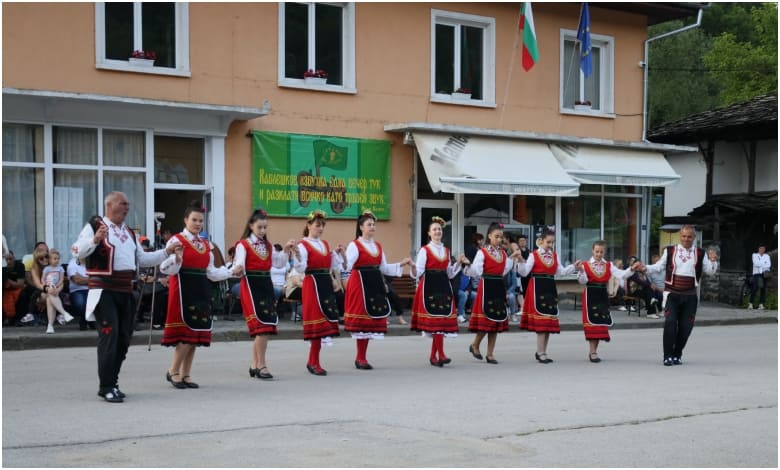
{"x": 233, "y": 61}
{"x": 766, "y": 165}
{"x": 729, "y": 170}
{"x": 689, "y": 192}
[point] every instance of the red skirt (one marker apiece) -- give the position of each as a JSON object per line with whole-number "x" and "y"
{"x": 255, "y": 326}
{"x": 531, "y": 319}
{"x": 423, "y": 321}
{"x": 479, "y": 322}
{"x": 592, "y": 331}
{"x": 315, "y": 324}
{"x": 176, "y": 331}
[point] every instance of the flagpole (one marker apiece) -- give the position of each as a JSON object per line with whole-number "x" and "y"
{"x": 518, "y": 35}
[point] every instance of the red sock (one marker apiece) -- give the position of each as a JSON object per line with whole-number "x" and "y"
{"x": 314, "y": 352}
{"x": 438, "y": 341}
{"x": 362, "y": 347}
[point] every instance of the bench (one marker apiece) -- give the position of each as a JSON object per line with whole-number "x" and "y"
{"x": 405, "y": 288}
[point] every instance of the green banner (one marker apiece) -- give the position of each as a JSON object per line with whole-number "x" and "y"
{"x": 294, "y": 174}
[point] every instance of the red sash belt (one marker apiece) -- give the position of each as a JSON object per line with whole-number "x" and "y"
{"x": 121, "y": 281}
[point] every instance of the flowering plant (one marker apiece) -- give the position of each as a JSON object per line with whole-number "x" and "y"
{"x": 583, "y": 102}
{"x": 151, "y": 55}
{"x": 319, "y": 73}
{"x": 463, "y": 90}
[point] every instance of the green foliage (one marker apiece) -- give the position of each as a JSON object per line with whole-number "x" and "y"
{"x": 731, "y": 57}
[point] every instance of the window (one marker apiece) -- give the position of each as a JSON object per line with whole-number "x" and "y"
{"x": 598, "y": 88}
{"x": 463, "y": 59}
{"x": 121, "y": 28}
{"x": 317, "y": 36}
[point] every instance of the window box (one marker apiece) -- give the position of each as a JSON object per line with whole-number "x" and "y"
{"x": 315, "y": 80}
{"x": 461, "y": 96}
{"x": 141, "y": 62}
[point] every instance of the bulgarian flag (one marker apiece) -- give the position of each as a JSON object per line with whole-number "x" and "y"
{"x": 530, "y": 50}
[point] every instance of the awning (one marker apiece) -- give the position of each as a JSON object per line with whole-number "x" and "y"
{"x": 468, "y": 164}
{"x": 614, "y": 166}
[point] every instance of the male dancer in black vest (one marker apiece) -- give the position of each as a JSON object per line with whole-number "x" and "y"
{"x": 684, "y": 265}
{"x": 112, "y": 259}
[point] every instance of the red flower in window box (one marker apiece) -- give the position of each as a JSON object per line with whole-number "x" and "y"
{"x": 319, "y": 73}
{"x": 150, "y": 55}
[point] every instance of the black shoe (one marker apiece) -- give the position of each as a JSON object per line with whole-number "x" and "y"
{"x": 668, "y": 361}
{"x": 119, "y": 393}
{"x": 436, "y": 363}
{"x": 542, "y": 358}
{"x": 594, "y": 357}
{"x": 188, "y": 384}
{"x": 254, "y": 372}
{"x": 677, "y": 361}
{"x": 363, "y": 365}
{"x": 264, "y": 375}
{"x": 111, "y": 395}
{"x": 180, "y": 385}
{"x": 446, "y": 360}
{"x": 316, "y": 370}
{"x": 490, "y": 360}
{"x": 476, "y": 354}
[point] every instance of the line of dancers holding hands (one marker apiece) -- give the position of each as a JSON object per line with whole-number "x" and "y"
{"x": 188, "y": 322}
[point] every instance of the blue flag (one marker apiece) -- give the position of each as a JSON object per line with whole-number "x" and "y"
{"x": 583, "y": 36}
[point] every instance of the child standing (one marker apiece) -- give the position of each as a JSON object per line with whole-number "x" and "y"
{"x": 540, "y": 306}
{"x": 53, "y": 277}
{"x": 595, "y": 274}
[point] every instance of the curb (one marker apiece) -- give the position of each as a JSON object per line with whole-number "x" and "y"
{"x": 141, "y": 336}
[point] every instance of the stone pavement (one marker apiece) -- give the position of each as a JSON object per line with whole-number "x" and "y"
{"x": 232, "y": 328}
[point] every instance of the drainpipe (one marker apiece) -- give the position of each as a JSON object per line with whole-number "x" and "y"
{"x": 647, "y": 58}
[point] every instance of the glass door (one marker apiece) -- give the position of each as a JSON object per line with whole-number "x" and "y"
{"x": 447, "y": 210}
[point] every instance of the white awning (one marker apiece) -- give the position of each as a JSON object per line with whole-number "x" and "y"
{"x": 614, "y": 166}
{"x": 468, "y": 164}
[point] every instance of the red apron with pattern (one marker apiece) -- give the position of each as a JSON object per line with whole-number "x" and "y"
{"x": 540, "y": 306}
{"x": 366, "y": 292}
{"x": 315, "y": 295}
{"x": 257, "y": 291}
{"x": 490, "y": 297}
{"x": 189, "y": 291}
{"x": 596, "y": 319}
{"x": 433, "y": 309}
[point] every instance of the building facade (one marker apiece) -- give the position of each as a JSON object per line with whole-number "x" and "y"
{"x": 461, "y": 130}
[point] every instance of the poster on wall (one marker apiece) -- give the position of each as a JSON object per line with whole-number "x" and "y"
{"x": 294, "y": 174}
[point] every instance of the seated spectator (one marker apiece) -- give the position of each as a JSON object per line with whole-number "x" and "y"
{"x": 77, "y": 284}
{"x": 13, "y": 284}
{"x": 395, "y": 302}
{"x": 638, "y": 285}
{"x": 292, "y": 290}
{"x": 467, "y": 292}
{"x": 616, "y": 288}
{"x": 51, "y": 280}
{"x": 657, "y": 279}
{"x": 512, "y": 290}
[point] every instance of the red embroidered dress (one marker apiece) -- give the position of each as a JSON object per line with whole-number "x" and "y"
{"x": 366, "y": 291}
{"x": 317, "y": 294}
{"x": 434, "y": 311}
{"x": 540, "y": 306}
{"x": 491, "y": 296}
{"x": 596, "y": 319}
{"x": 257, "y": 291}
{"x": 190, "y": 292}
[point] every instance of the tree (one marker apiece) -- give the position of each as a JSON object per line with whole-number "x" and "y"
{"x": 746, "y": 69}
{"x": 731, "y": 57}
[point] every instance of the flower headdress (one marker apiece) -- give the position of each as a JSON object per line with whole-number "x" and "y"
{"x": 368, "y": 213}
{"x": 261, "y": 212}
{"x": 317, "y": 214}
{"x": 438, "y": 220}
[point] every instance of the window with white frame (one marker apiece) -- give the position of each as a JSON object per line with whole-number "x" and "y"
{"x": 159, "y": 29}
{"x": 463, "y": 59}
{"x": 595, "y": 91}
{"x": 317, "y": 37}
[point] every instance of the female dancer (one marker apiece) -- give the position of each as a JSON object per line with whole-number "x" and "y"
{"x": 488, "y": 315}
{"x": 433, "y": 310}
{"x": 540, "y": 306}
{"x": 366, "y": 307}
{"x": 320, "y": 309}
{"x": 189, "y": 322}
{"x": 595, "y": 274}
{"x": 255, "y": 255}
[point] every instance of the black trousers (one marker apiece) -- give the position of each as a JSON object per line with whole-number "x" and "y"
{"x": 679, "y": 322}
{"x": 115, "y": 316}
